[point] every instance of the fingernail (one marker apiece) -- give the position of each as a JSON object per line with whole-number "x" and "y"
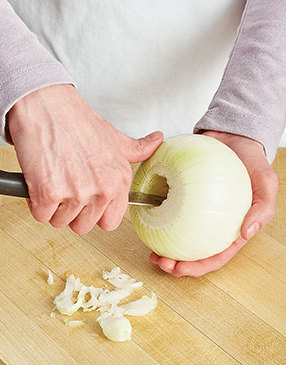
{"x": 254, "y": 228}
{"x": 153, "y": 136}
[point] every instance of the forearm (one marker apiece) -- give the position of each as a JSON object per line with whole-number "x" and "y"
{"x": 25, "y": 65}
{"x": 250, "y": 100}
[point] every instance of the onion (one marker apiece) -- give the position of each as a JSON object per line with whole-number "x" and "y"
{"x": 116, "y": 328}
{"x": 50, "y": 279}
{"x": 108, "y": 299}
{"x": 139, "y": 307}
{"x": 114, "y": 325}
{"x": 65, "y": 302}
{"x": 120, "y": 280}
{"x": 73, "y": 323}
{"x": 207, "y": 190}
{"x": 93, "y": 302}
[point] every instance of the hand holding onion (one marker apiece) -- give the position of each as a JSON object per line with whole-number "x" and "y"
{"x": 223, "y": 212}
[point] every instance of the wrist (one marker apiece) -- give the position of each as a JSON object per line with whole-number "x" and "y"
{"x": 46, "y": 92}
{"x": 33, "y": 104}
{"x": 234, "y": 140}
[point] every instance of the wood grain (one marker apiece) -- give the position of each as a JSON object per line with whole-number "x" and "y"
{"x": 23, "y": 342}
{"x": 277, "y": 228}
{"x": 236, "y": 315}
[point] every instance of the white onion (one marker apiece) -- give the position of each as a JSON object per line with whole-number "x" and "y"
{"x": 65, "y": 302}
{"x": 114, "y": 325}
{"x": 93, "y": 302}
{"x": 108, "y": 299}
{"x": 116, "y": 328}
{"x": 139, "y": 307}
{"x": 120, "y": 280}
{"x": 73, "y": 323}
{"x": 208, "y": 194}
{"x": 50, "y": 279}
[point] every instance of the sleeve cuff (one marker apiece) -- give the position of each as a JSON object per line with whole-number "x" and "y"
{"x": 243, "y": 125}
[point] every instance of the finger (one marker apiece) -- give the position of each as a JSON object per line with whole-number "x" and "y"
{"x": 164, "y": 263}
{"x": 114, "y": 213}
{"x": 198, "y": 267}
{"x": 42, "y": 213}
{"x": 154, "y": 258}
{"x": 265, "y": 188}
{"x": 66, "y": 212}
{"x": 137, "y": 150}
{"x": 167, "y": 264}
{"x": 204, "y": 266}
{"x": 87, "y": 217}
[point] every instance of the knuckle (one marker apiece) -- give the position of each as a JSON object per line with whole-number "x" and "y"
{"x": 271, "y": 178}
{"x": 80, "y": 198}
{"x": 107, "y": 193}
{"x": 39, "y": 215}
{"x": 270, "y": 213}
{"x": 138, "y": 144}
{"x": 127, "y": 175}
{"x": 81, "y": 195}
{"x": 51, "y": 195}
{"x": 100, "y": 179}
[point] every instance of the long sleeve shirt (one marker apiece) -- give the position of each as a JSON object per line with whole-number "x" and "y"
{"x": 251, "y": 98}
{"x": 155, "y": 64}
{"x": 25, "y": 65}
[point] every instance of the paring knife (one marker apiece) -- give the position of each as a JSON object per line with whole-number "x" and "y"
{"x": 14, "y": 184}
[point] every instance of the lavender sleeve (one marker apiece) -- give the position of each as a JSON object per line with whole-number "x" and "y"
{"x": 25, "y": 65}
{"x": 251, "y": 99}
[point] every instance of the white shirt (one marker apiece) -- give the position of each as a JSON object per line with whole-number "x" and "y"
{"x": 143, "y": 65}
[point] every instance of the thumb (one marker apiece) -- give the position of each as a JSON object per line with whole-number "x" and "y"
{"x": 137, "y": 150}
{"x": 265, "y": 188}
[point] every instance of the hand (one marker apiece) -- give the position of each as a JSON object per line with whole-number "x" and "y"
{"x": 264, "y": 185}
{"x": 76, "y": 164}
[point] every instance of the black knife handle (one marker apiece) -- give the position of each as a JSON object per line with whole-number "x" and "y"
{"x": 13, "y": 184}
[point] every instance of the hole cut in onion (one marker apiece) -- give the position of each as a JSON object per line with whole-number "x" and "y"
{"x": 158, "y": 185}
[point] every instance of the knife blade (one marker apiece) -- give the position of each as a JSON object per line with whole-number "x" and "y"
{"x": 138, "y": 198}
{"x": 14, "y": 184}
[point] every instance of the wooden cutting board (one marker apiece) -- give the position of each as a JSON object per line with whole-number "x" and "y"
{"x": 234, "y": 316}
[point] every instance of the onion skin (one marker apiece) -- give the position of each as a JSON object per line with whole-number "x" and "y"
{"x": 208, "y": 198}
